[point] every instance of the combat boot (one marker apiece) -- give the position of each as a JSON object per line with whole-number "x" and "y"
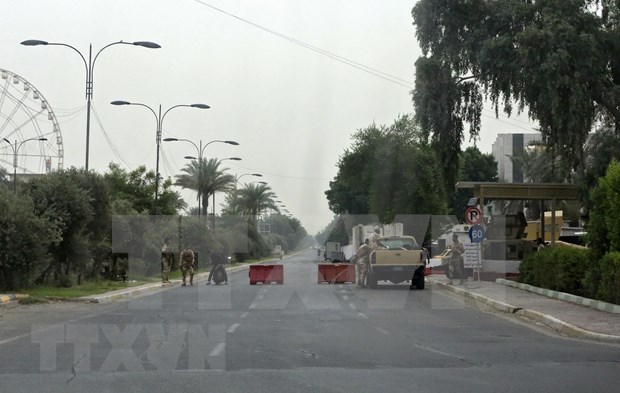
{"x": 450, "y": 282}
{"x": 191, "y": 279}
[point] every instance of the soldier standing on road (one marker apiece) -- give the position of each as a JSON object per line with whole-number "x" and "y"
{"x": 187, "y": 265}
{"x": 363, "y": 252}
{"x": 455, "y": 263}
{"x": 373, "y": 239}
{"x": 166, "y": 260}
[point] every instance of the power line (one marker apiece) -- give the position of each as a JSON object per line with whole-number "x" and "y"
{"x": 349, "y": 62}
{"x": 114, "y": 149}
{"x": 373, "y": 71}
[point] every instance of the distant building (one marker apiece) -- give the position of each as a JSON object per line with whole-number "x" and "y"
{"x": 507, "y": 146}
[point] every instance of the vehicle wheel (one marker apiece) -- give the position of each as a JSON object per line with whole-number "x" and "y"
{"x": 372, "y": 281}
{"x": 419, "y": 283}
{"x": 219, "y": 275}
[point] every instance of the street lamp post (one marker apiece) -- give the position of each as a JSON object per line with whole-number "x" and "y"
{"x": 237, "y": 178}
{"x": 160, "y": 120}
{"x": 200, "y": 150}
{"x": 15, "y": 148}
{"x": 90, "y": 68}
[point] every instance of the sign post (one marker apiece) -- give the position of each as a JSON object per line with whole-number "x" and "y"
{"x": 476, "y": 235}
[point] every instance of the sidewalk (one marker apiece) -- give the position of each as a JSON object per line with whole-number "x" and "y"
{"x": 566, "y": 318}
{"x": 140, "y": 290}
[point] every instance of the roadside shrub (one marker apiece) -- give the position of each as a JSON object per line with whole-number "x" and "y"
{"x": 609, "y": 288}
{"x": 557, "y": 268}
{"x": 604, "y": 225}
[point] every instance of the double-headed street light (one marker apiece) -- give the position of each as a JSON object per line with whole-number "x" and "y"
{"x": 160, "y": 120}
{"x": 15, "y": 148}
{"x": 200, "y": 150}
{"x": 90, "y": 68}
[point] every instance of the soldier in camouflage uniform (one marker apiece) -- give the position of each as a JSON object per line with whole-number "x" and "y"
{"x": 373, "y": 239}
{"x": 363, "y": 252}
{"x": 187, "y": 265}
{"x": 166, "y": 260}
{"x": 455, "y": 264}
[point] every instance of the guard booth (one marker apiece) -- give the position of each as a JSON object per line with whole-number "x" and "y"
{"x": 506, "y": 244}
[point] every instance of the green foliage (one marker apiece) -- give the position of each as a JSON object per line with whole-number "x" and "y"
{"x": 388, "y": 171}
{"x": 25, "y": 238}
{"x": 558, "y": 58}
{"x": 252, "y": 199}
{"x": 138, "y": 188}
{"x": 557, "y": 268}
{"x": 609, "y": 289}
{"x": 288, "y": 229}
{"x": 475, "y": 166}
{"x": 60, "y": 198}
{"x": 604, "y": 225}
{"x": 206, "y": 177}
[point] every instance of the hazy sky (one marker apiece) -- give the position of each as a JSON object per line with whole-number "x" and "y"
{"x": 292, "y": 110}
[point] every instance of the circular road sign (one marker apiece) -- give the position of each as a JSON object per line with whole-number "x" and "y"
{"x": 476, "y": 233}
{"x": 473, "y": 215}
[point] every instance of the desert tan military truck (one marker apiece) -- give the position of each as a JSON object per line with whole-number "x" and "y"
{"x": 397, "y": 259}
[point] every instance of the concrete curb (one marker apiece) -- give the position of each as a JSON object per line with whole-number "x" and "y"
{"x": 567, "y": 297}
{"x": 553, "y": 323}
{"x": 7, "y": 298}
{"x": 142, "y": 290}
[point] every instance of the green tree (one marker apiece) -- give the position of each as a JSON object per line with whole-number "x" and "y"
{"x": 206, "y": 178}
{"x": 59, "y": 198}
{"x": 25, "y": 238}
{"x": 604, "y": 224}
{"x": 388, "y": 171}
{"x": 558, "y": 58}
{"x": 138, "y": 187}
{"x": 254, "y": 198}
{"x": 475, "y": 166}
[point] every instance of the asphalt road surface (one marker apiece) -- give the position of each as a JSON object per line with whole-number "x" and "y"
{"x": 296, "y": 337}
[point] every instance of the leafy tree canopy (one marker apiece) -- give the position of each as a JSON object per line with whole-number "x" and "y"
{"x": 558, "y": 58}
{"x": 387, "y": 171}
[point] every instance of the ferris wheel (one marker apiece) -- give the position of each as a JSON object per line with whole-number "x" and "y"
{"x": 25, "y": 115}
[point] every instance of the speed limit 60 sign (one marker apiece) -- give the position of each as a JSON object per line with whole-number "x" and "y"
{"x": 473, "y": 215}
{"x": 476, "y": 233}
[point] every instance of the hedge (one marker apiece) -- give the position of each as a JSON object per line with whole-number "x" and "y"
{"x": 609, "y": 288}
{"x": 557, "y": 268}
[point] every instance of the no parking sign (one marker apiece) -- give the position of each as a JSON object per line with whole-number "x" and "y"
{"x": 473, "y": 215}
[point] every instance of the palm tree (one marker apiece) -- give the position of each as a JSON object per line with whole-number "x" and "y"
{"x": 206, "y": 177}
{"x": 253, "y": 198}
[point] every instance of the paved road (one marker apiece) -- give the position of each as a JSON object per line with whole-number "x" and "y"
{"x": 299, "y": 336}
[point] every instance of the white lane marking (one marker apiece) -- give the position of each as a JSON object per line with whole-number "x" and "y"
{"x": 381, "y": 330}
{"x": 345, "y": 297}
{"x": 352, "y": 306}
{"x": 361, "y": 314}
{"x": 343, "y": 291}
{"x": 259, "y": 297}
{"x": 244, "y": 314}
{"x": 233, "y": 327}
{"x": 219, "y": 348}
{"x": 252, "y": 306}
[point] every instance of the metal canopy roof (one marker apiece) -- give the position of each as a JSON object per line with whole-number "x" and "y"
{"x": 522, "y": 191}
